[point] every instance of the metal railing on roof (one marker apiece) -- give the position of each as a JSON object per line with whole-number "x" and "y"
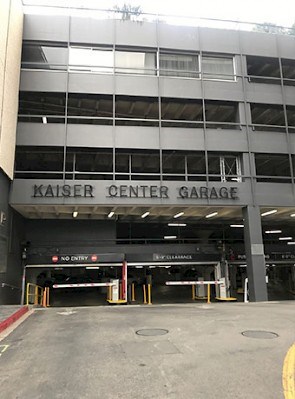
{"x": 141, "y": 16}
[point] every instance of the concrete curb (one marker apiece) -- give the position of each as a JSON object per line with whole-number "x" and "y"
{"x": 13, "y": 318}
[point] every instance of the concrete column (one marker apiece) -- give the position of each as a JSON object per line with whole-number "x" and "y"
{"x": 255, "y": 254}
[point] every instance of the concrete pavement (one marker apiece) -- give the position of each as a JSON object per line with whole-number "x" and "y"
{"x": 94, "y": 352}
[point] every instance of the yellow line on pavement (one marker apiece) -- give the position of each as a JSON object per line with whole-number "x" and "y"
{"x": 289, "y": 374}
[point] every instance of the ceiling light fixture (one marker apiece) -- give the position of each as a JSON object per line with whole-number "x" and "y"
{"x": 75, "y": 214}
{"x": 178, "y": 215}
{"x": 269, "y": 212}
{"x": 237, "y": 225}
{"x": 210, "y": 215}
{"x": 273, "y": 231}
{"x": 177, "y": 224}
{"x": 144, "y": 215}
{"x": 285, "y": 238}
{"x": 170, "y": 237}
{"x": 291, "y": 243}
{"x": 111, "y": 214}
{"x": 292, "y": 215}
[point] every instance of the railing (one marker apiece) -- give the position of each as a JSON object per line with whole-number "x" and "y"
{"x": 34, "y": 294}
{"x": 55, "y": 8}
{"x": 12, "y": 287}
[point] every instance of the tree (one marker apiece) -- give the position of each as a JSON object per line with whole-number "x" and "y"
{"x": 128, "y": 11}
{"x": 270, "y": 27}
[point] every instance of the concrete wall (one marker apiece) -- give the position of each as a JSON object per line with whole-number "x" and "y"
{"x": 11, "y": 238}
{"x": 11, "y": 23}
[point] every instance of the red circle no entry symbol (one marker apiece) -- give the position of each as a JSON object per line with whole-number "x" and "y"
{"x": 94, "y": 258}
{"x": 54, "y": 259}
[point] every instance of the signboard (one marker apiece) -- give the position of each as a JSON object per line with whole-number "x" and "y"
{"x": 75, "y": 259}
{"x": 183, "y": 192}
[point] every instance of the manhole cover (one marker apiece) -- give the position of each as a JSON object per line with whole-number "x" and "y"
{"x": 152, "y": 331}
{"x": 260, "y": 334}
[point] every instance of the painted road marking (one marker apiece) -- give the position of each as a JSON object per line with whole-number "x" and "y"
{"x": 67, "y": 312}
{"x": 289, "y": 374}
{"x": 3, "y": 348}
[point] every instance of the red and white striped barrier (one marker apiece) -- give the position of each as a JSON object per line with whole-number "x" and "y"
{"x": 83, "y": 285}
{"x": 193, "y": 282}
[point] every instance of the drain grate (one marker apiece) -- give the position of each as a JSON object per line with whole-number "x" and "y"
{"x": 149, "y": 332}
{"x": 260, "y": 334}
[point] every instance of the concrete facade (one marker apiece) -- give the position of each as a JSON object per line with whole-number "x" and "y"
{"x": 11, "y": 24}
{"x": 164, "y": 92}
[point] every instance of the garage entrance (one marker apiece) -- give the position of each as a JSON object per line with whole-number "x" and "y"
{"x": 280, "y": 277}
{"x": 77, "y": 285}
{"x": 160, "y": 275}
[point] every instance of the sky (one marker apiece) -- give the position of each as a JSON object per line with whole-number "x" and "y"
{"x": 279, "y": 12}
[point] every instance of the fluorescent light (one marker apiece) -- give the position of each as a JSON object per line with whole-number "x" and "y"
{"x": 170, "y": 237}
{"x": 144, "y": 215}
{"x": 285, "y": 238}
{"x": 273, "y": 231}
{"x": 75, "y": 214}
{"x": 177, "y": 224}
{"x": 178, "y": 215}
{"x": 44, "y": 120}
{"x": 111, "y": 214}
{"x": 92, "y": 267}
{"x": 292, "y": 215}
{"x": 236, "y": 225}
{"x": 291, "y": 243}
{"x": 269, "y": 212}
{"x": 210, "y": 215}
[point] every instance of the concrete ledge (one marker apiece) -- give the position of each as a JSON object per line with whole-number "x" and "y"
{"x": 13, "y": 318}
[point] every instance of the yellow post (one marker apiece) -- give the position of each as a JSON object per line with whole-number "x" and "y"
{"x": 208, "y": 293}
{"x": 133, "y": 292}
{"x": 36, "y": 295}
{"x": 144, "y": 294}
{"x": 43, "y": 299}
{"x": 193, "y": 293}
{"x": 149, "y": 294}
{"x": 47, "y": 296}
{"x": 109, "y": 295}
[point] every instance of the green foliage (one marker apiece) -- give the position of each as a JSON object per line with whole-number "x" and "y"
{"x": 269, "y": 27}
{"x": 128, "y": 11}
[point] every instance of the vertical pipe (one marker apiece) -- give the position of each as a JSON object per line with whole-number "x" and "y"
{"x": 23, "y": 286}
{"x": 144, "y": 294}
{"x": 208, "y": 293}
{"x": 27, "y": 294}
{"x": 193, "y": 292}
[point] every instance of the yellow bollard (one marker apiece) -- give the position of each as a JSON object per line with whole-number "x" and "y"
{"x": 43, "y": 298}
{"x": 193, "y": 293}
{"x": 27, "y": 294}
{"x": 132, "y": 292}
{"x": 121, "y": 291}
{"x": 208, "y": 293}
{"x": 36, "y": 301}
{"x": 47, "y": 296}
{"x": 144, "y": 294}
{"x": 149, "y": 294}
